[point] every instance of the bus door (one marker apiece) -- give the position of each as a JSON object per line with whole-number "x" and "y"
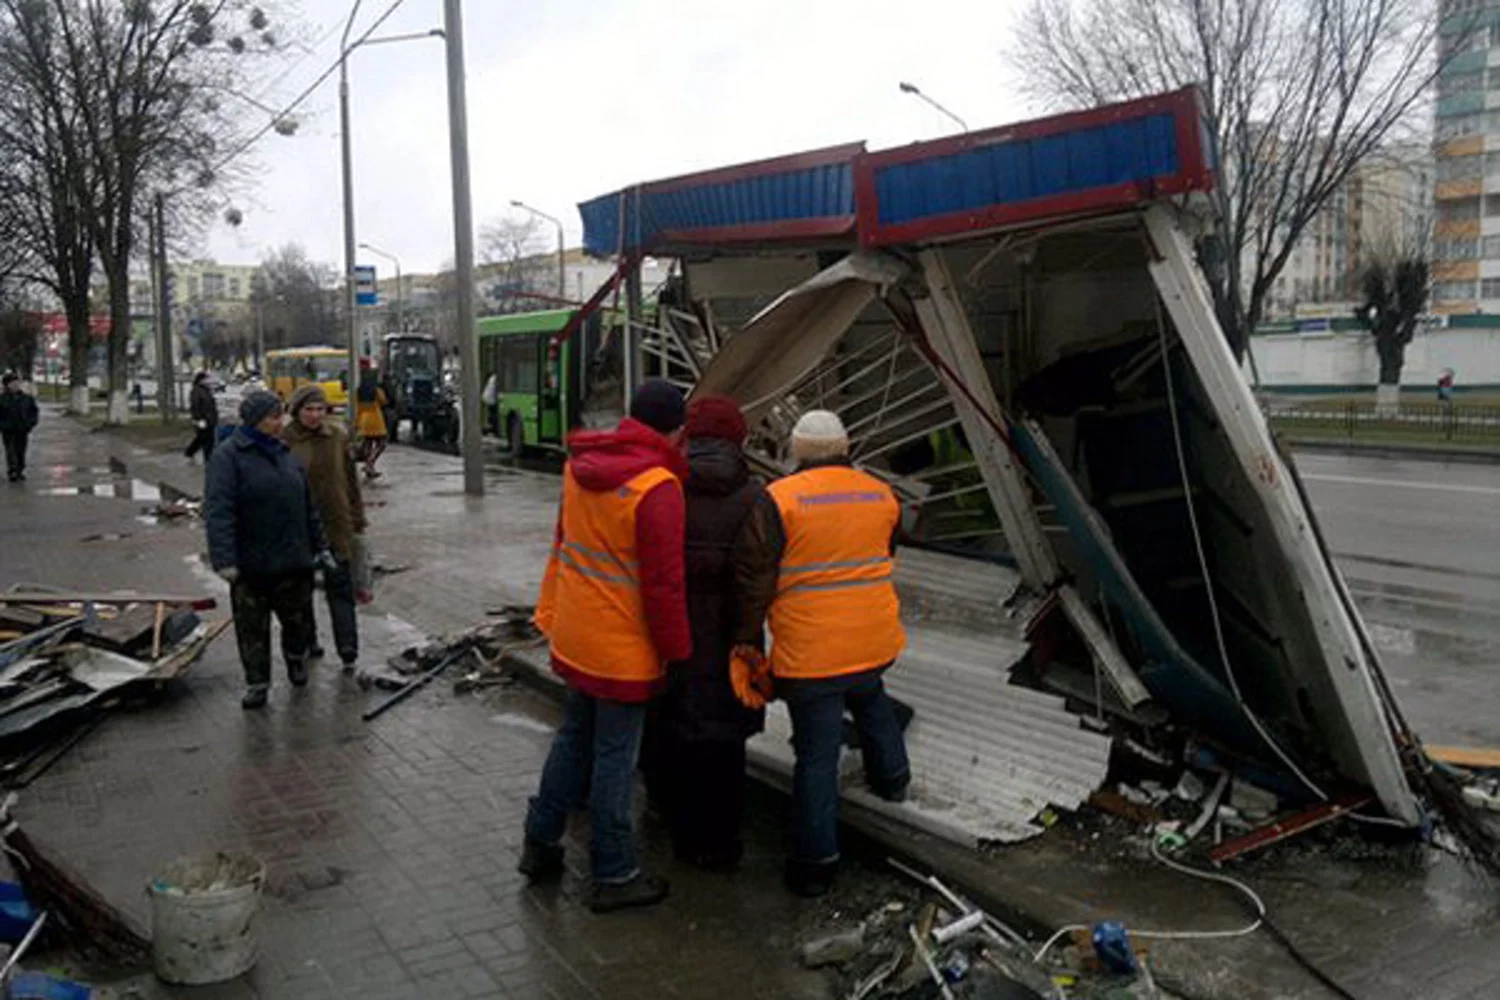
{"x": 551, "y": 417}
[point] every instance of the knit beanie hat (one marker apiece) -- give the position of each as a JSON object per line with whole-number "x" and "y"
{"x": 819, "y": 435}
{"x": 310, "y": 393}
{"x": 658, "y": 405}
{"x": 715, "y": 417}
{"x": 258, "y": 405}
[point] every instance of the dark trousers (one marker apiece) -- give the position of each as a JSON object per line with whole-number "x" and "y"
{"x": 338, "y": 588}
{"x": 817, "y": 710}
{"x": 592, "y": 761}
{"x": 255, "y": 600}
{"x": 15, "y": 452}
{"x": 699, "y": 786}
{"x": 202, "y": 441}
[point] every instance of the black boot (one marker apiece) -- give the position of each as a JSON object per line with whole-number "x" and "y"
{"x": 643, "y": 890}
{"x": 255, "y": 697}
{"x": 541, "y": 862}
{"x": 810, "y": 879}
{"x": 296, "y": 672}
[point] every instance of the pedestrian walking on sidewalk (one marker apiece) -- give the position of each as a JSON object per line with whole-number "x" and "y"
{"x": 18, "y": 418}
{"x": 369, "y": 417}
{"x": 694, "y": 752}
{"x": 323, "y": 447}
{"x": 203, "y": 409}
{"x": 265, "y": 539}
{"x": 815, "y": 563}
{"x": 613, "y": 608}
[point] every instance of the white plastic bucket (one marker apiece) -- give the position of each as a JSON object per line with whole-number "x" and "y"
{"x": 203, "y": 918}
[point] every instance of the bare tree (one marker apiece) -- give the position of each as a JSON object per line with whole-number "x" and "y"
{"x": 296, "y": 299}
{"x": 140, "y": 80}
{"x": 515, "y": 252}
{"x": 45, "y": 227}
{"x": 1395, "y": 297}
{"x": 1296, "y": 93}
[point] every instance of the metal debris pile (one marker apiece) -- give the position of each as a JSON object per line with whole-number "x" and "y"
{"x": 484, "y": 652}
{"x": 945, "y": 947}
{"x": 66, "y": 659}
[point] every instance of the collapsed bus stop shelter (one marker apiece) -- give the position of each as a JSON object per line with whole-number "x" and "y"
{"x": 1013, "y": 326}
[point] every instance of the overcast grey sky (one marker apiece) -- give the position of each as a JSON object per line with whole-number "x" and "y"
{"x": 569, "y": 99}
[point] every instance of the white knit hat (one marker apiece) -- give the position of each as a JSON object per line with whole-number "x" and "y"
{"x": 819, "y": 435}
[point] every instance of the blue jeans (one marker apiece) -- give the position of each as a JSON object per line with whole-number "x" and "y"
{"x": 592, "y": 759}
{"x": 817, "y": 710}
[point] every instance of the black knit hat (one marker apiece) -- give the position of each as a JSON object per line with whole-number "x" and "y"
{"x": 258, "y": 405}
{"x": 658, "y": 404}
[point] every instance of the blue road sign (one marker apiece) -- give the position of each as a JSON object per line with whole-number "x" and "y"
{"x": 365, "y": 293}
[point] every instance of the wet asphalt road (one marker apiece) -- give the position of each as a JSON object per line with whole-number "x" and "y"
{"x": 1420, "y": 545}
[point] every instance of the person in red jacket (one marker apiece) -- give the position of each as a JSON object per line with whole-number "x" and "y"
{"x": 614, "y": 609}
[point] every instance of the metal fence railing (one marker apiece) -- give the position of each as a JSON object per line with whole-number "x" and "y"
{"x": 1355, "y": 419}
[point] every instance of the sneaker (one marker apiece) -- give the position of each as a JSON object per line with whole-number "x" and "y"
{"x": 296, "y": 672}
{"x": 643, "y": 890}
{"x": 541, "y": 862}
{"x": 255, "y": 697}
{"x": 810, "y": 879}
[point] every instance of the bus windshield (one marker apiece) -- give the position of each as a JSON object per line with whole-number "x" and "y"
{"x": 327, "y": 368}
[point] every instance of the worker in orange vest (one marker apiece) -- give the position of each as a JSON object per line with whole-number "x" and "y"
{"x": 613, "y": 605}
{"x": 814, "y": 562}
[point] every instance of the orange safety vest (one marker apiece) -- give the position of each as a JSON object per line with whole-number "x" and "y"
{"x": 591, "y": 607}
{"x": 835, "y": 610}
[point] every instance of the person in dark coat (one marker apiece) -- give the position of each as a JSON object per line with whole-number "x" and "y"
{"x": 18, "y": 417}
{"x": 695, "y": 751}
{"x": 204, "y": 410}
{"x": 265, "y": 539}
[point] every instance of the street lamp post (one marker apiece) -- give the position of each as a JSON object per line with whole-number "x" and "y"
{"x": 351, "y": 298}
{"x": 463, "y": 249}
{"x": 400, "y": 294}
{"x": 915, "y": 91}
{"x": 562, "y": 266}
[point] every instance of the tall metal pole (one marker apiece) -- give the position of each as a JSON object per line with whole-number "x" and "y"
{"x": 346, "y": 146}
{"x": 463, "y": 249}
{"x": 562, "y": 263}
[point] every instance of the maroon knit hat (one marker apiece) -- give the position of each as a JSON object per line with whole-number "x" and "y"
{"x": 715, "y": 417}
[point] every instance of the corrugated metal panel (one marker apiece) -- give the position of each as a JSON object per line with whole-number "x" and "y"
{"x": 1011, "y": 172}
{"x": 1105, "y": 159}
{"x": 789, "y": 198}
{"x": 987, "y": 756}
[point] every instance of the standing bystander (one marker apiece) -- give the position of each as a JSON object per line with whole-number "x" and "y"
{"x": 18, "y": 417}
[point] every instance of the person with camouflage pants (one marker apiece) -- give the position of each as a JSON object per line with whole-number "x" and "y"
{"x": 265, "y": 539}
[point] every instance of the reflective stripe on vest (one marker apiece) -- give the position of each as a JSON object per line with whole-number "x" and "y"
{"x": 597, "y": 621}
{"x": 835, "y": 610}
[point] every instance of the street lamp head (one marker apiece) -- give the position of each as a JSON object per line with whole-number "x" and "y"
{"x": 909, "y": 88}
{"x": 514, "y": 203}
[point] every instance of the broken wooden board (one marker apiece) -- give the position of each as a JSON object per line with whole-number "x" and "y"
{"x": 1287, "y": 827}
{"x": 1474, "y": 758}
{"x": 61, "y": 597}
{"x": 126, "y": 631}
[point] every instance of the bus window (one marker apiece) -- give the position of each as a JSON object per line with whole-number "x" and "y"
{"x": 518, "y": 365}
{"x": 329, "y": 368}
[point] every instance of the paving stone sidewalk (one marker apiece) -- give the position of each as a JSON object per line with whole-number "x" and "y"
{"x": 413, "y": 822}
{"x": 391, "y": 845}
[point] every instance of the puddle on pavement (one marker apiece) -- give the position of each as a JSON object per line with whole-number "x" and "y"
{"x": 518, "y": 721}
{"x": 119, "y": 489}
